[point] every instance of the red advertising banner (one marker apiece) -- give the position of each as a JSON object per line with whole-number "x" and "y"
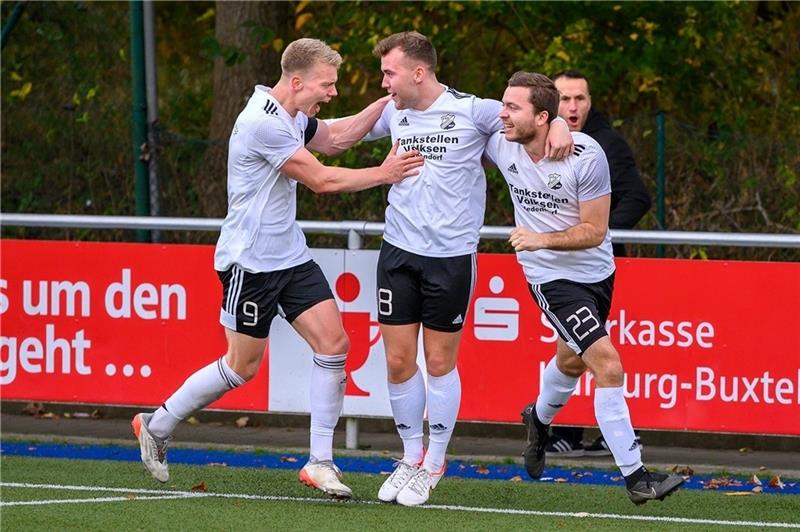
{"x": 706, "y": 345}
{"x": 121, "y": 324}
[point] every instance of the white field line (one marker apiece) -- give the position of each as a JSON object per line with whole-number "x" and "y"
{"x": 97, "y": 499}
{"x": 171, "y": 494}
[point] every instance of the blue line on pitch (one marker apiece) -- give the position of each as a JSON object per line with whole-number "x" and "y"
{"x": 375, "y": 465}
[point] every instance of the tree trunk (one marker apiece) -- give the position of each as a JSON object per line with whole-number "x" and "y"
{"x": 233, "y": 84}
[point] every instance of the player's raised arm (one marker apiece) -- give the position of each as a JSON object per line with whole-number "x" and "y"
{"x": 335, "y": 136}
{"x": 305, "y": 168}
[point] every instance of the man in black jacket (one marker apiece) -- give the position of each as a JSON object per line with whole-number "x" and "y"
{"x": 630, "y": 201}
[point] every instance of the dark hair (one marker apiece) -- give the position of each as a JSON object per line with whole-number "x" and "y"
{"x": 574, "y": 74}
{"x": 542, "y": 91}
{"x": 412, "y": 43}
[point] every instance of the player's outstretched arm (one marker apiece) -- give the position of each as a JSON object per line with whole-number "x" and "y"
{"x": 588, "y": 233}
{"x": 559, "y": 142}
{"x": 335, "y": 136}
{"x": 305, "y": 168}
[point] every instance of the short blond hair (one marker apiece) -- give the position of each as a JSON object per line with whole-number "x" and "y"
{"x": 303, "y": 54}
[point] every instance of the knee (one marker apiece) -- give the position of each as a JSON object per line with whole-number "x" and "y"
{"x": 400, "y": 367}
{"x": 571, "y": 367}
{"x": 608, "y": 370}
{"x": 438, "y": 366}
{"x": 614, "y": 376}
{"x": 337, "y": 344}
{"x": 244, "y": 367}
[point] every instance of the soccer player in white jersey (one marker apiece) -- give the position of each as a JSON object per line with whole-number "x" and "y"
{"x": 262, "y": 259}
{"x": 561, "y": 210}
{"x": 426, "y": 268}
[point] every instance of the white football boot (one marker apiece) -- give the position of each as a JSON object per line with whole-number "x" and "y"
{"x": 154, "y": 450}
{"x": 403, "y": 471}
{"x": 418, "y": 489}
{"x": 325, "y": 476}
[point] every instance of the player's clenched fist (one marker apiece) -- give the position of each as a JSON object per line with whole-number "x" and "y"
{"x": 523, "y": 239}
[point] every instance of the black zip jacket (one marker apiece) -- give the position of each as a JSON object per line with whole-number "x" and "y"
{"x": 630, "y": 199}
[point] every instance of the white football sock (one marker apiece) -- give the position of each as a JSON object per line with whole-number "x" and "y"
{"x": 444, "y": 398}
{"x": 614, "y": 419}
{"x": 202, "y": 388}
{"x": 556, "y": 390}
{"x": 327, "y": 396}
{"x": 408, "y": 409}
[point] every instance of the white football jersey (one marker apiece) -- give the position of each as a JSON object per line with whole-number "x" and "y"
{"x": 439, "y": 212}
{"x": 260, "y": 232}
{"x": 546, "y": 197}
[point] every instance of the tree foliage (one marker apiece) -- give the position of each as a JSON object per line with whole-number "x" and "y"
{"x": 726, "y": 74}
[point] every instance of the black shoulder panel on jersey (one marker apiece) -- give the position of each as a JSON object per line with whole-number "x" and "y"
{"x": 458, "y": 95}
{"x": 271, "y": 108}
{"x": 311, "y": 130}
{"x": 578, "y": 149}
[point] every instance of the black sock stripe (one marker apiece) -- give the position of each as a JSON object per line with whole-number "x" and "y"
{"x": 230, "y": 383}
{"x": 319, "y": 361}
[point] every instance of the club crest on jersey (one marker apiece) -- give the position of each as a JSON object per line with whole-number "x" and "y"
{"x": 554, "y": 181}
{"x": 448, "y": 121}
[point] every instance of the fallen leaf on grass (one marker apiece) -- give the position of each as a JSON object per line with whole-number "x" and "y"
{"x": 242, "y": 422}
{"x": 716, "y": 483}
{"x": 775, "y": 482}
{"x": 516, "y": 478}
{"x": 200, "y": 487}
{"x": 683, "y": 470}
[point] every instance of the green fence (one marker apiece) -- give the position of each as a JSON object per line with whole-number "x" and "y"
{"x": 67, "y": 136}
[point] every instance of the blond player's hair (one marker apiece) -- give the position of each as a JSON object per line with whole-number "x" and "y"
{"x": 303, "y": 54}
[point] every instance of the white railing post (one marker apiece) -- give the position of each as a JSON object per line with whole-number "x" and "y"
{"x": 351, "y": 423}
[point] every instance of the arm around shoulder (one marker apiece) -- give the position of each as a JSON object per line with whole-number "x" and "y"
{"x": 335, "y": 136}
{"x": 322, "y": 179}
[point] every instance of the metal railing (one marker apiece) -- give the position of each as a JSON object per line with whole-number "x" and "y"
{"x": 357, "y": 229}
